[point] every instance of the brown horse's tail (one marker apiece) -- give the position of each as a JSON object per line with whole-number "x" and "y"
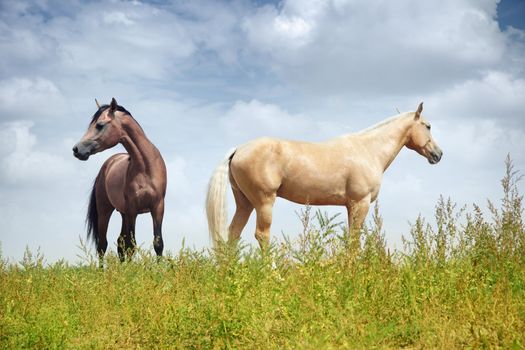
{"x": 92, "y": 216}
{"x": 216, "y": 209}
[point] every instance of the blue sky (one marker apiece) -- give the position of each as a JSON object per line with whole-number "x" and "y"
{"x": 203, "y": 76}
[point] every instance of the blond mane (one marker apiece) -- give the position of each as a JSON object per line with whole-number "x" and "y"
{"x": 385, "y": 122}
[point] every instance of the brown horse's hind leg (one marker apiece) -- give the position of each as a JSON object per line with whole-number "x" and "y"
{"x": 103, "y": 221}
{"x": 126, "y": 241}
{"x": 157, "y": 215}
{"x": 121, "y": 241}
{"x": 104, "y": 210}
{"x": 242, "y": 213}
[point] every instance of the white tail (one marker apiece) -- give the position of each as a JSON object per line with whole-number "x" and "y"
{"x": 216, "y": 209}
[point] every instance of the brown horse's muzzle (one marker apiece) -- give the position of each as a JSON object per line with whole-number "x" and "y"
{"x": 82, "y": 151}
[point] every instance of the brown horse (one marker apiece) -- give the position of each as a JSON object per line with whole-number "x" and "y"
{"x": 133, "y": 182}
{"x": 346, "y": 170}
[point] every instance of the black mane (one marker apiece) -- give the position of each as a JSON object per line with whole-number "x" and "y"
{"x": 103, "y": 108}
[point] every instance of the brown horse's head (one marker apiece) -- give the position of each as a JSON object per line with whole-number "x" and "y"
{"x": 104, "y": 131}
{"x": 420, "y": 139}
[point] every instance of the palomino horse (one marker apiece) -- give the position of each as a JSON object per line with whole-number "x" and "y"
{"x": 133, "y": 182}
{"x": 346, "y": 170}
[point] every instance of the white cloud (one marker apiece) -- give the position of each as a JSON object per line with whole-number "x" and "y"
{"x": 22, "y": 163}
{"x": 178, "y": 182}
{"x": 497, "y": 95}
{"x": 269, "y": 30}
{"x": 148, "y": 46}
{"x": 25, "y": 46}
{"x": 247, "y": 120}
{"x": 385, "y": 46}
{"x": 119, "y": 39}
{"x": 294, "y": 28}
{"x": 482, "y": 142}
{"x": 408, "y": 183}
{"x": 256, "y": 118}
{"x": 22, "y": 98}
{"x": 116, "y": 17}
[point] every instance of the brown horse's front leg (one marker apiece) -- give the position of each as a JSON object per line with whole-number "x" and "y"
{"x": 357, "y": 211}
{"x": 157, "y": 215}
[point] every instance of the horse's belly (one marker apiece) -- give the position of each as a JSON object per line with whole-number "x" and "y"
{"x": 312, "y": 193}
{"x": 309, "y": 181}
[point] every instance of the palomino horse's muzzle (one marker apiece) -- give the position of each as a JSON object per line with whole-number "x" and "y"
{"x": 435, "y": 156}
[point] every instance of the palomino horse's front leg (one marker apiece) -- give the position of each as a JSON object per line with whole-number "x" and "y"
{"x": 357, "y": 211}
{"x": 157, "y": 215}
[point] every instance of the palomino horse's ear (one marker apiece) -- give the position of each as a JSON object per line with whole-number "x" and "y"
{"x": 113, "y": 106}
{"x": 98, "y": 104}
{"x": 419, "y": 110}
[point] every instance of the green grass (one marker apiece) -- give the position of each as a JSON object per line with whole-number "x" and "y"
{"x": 459, "y": 283}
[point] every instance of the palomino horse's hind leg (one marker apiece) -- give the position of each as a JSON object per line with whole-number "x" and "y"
{"x": 264, "y": 221}
{"x": 157, "y": 214}
{"x": 243, "y": 210}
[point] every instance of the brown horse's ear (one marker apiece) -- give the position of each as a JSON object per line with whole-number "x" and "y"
{"x": 113, "y": 106}
{"x": 98, "y": 104}
{"x": 419, "y": 110}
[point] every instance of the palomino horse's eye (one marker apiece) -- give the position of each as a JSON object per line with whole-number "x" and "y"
{"x": 99, "y": 126}
{"x": 428, "y": 127}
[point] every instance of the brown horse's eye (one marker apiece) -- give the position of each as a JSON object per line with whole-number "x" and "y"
{"x": 99, "y": 126}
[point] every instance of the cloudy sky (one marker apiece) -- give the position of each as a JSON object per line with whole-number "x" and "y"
{"x": 204, "y": 76}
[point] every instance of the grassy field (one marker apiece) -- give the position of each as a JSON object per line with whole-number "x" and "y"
{"x": 458, "y": 283}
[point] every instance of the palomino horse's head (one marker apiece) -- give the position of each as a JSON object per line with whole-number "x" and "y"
{"x": 420, "y": 139}
{"x": 104, "y": 131}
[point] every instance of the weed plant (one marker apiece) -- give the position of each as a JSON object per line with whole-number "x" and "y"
{"x": 459, "y": 282}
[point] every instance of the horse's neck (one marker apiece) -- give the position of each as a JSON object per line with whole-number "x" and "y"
{"x": 143, "y": 154}
{"x": 386, "y": 141}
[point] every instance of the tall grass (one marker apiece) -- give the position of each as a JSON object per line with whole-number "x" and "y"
{"x": 458, "y": 282}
